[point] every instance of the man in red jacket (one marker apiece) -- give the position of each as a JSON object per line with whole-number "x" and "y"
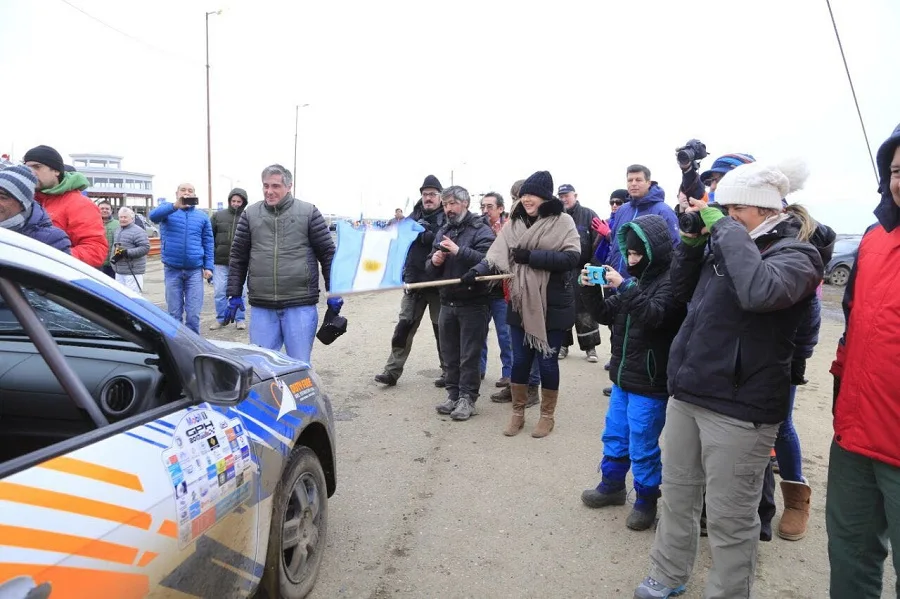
{"x": 862, "y": 510}
{"x": 59, "y": 194}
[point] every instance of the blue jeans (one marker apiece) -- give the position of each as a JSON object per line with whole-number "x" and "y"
{"x": 294, "y": 328}
{"x": 787, "y": 446}
{"x": 633, "y": 425}
{"x": 220, "y": 284}
{"x": 525, "y": 356}
{"x": 498, "y": 313}
{"x": 184, "y": 295}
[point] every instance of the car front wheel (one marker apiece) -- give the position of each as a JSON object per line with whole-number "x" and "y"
{"x": 839, "y": 276}
{"x": 299, "y": 524}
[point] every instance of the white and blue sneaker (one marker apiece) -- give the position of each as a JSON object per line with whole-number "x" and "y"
{"x": 653, "y": 589}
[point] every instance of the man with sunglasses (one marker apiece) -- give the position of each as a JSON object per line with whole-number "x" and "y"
{"x": 601, "y": 254}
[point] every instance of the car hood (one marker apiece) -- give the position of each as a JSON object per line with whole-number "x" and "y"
{"x": 266, "y": 363}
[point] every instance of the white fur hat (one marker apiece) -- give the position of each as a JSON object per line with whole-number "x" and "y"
{"x": 761, "y": 185}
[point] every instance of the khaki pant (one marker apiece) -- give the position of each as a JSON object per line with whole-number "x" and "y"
{"x": 729, "y": 457}
{"x": 412, "y": 309}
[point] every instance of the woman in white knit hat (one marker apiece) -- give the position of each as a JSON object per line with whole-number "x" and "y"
{"x": 730, "y": 374}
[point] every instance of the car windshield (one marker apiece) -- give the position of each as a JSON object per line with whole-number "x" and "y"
{"x": 845, "y": 246}
{"x": 60, "y": 321}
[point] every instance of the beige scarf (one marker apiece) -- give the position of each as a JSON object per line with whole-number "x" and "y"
{"x": 528, "y": 287}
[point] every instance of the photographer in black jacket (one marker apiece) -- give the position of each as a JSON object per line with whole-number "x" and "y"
{"x": 730, "y": 373}
{"x": 459, "y": 245}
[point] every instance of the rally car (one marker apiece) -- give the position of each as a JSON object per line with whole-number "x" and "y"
{"x": 137, "y": 458}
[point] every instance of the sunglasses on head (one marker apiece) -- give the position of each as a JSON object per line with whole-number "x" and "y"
{"x": 616, "y": 202}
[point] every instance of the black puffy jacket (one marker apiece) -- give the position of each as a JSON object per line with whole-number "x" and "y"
{"x": 584, "y": 217}
{"x": 747, "y": 298}
{"x": 645, "y": 316}
{"x": 414, "y": 267}
{"x": 561, "y": 286}
{"x": 474, "y": 239}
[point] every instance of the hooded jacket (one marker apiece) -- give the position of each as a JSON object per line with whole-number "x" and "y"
{"x": 186, "y": 239}
{"x": 583, "y": 217}
{"x": 224, "y": 222}
{"x": 39, "y": 227}
{"x": 867, "y": 397}
{"x": 474, "y": 239}
{"x": 78, "y": 217}
{"x": 419, "y": 250}
{"x": 644, "y": 314}
{"x": 652, "y": 203}
{"x": 747, "y": 298}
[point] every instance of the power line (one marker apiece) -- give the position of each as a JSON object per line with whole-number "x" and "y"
{"x": 168, "y": 53}
{"x": 853, "y": 91}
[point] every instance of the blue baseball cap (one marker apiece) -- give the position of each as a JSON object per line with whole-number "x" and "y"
{"x": 564, "y": 188}
{"x": 724, "y": 164}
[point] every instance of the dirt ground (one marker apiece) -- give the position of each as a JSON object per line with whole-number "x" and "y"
{"x": 428, "y": 507}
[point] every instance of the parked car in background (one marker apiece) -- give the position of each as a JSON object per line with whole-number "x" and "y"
{"x": 837, "y": 271}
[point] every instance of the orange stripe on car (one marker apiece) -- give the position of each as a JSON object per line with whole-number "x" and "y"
{"x": 81, "y": 582}
{"x": 64, "y": 502}
{"x": 168, "y": 528}
{"x": 94, "y": 471}
{"x": 31, "y": 538}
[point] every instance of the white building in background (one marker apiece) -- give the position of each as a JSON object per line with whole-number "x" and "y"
{"x": 109, "y": 182}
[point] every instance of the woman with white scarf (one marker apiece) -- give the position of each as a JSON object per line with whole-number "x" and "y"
{"x": 540, "y": 246}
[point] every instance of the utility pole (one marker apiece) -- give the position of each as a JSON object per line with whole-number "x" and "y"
{"x": 208, "y": 124}
{"x": 296, "y": 129}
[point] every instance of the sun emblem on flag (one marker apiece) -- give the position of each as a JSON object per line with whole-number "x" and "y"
{"x": 372, "y": 265}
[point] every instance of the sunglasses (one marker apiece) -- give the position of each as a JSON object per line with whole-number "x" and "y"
{"x": 616, "y": 202}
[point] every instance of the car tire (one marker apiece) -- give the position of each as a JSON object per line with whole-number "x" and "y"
{"x": 300, "y": 513}
{"x": 839, "y": 276}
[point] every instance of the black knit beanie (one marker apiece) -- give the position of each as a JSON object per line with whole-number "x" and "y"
{"x": 539, "y": 184}
{"x": 432, "y": 182}
{"x": 46, "y": 156}
{"x": 619, "y": 194}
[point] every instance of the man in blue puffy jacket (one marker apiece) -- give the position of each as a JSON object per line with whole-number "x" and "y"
{"x": 187, "y": 250}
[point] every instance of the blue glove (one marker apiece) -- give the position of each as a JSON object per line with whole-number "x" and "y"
{"x": 335, "y": 303}
{"x": 234, "y": 304}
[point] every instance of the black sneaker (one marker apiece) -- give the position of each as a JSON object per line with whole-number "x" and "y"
{"x": 447, "y": 407}
{"x": 385, "y": 379}
{"x": 607, "y": 391}
{"x": 441, "y": 382}
{"x": 464, "y": 410}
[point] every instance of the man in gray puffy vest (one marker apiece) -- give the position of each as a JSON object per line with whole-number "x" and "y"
{"x": 281, "y": 242}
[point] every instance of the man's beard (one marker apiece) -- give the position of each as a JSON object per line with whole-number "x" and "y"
{"x": 456, "y": 219}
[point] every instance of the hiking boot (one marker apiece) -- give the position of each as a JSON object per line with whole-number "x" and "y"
{"x": 563, "y": 352}
{"x": 643, "y": 515}
{"x": 604, "y": 495}
{"x": 534, "y": 397}
{"x": 503, "y": 382}
{"x": 502, "y": 396}
{"x": 465, "y": 409}
{"x": 447, "y": 407}
{"x": 592, "y": 356}
{"x": 519, "y": 396}
{"x": 216, "y": 326}
{"x": 607, "y": 391}
{"x": 653, "y": 589}
{"x": 241, "y": 325}
{"x": 385, "y": 379}
{"x": 796, "y": 510}
{"x": 548, "y": 407}
{"x": 441, "y": 381}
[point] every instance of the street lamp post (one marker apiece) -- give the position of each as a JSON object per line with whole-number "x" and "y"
{"x": 296, "y": 129}
{"x": 208, "y": 125}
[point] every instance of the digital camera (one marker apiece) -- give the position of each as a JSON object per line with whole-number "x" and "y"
{"x": 596, "y": 275}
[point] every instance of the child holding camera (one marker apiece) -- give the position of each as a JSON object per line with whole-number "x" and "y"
{"x": 645, "y": 316}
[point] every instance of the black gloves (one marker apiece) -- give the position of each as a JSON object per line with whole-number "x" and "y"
{"x": 521, "y": 256}
{"x": 469, "y": 277}
{"x": 837, "y": 391}
{"x": 798, "y": 371}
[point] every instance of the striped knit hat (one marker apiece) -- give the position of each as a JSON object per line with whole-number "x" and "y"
{"x": 19, "y": 182}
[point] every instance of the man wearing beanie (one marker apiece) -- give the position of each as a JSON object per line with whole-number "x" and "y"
{"x": 428, "y": 213}
{"x": 729, "y": 374}
{"x": 861, "y": 511}
{"x": 59, "y": 194}
{"x": 20, "y": 213}
{"x": 587, "y": 331}
{"x": 224, "y": 222}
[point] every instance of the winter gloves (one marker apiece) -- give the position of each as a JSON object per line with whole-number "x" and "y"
{"x": 600, "y": 226}
{"x": 521, "y": 256}
{"x": 335, "y": 303}
{"x": 710, "y": 216}
{"x": 798, "y": 371}
{"x": 469, "y": 277}
{"x": 234, "y": 304}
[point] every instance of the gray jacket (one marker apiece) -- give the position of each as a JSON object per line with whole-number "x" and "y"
{"x": 137, "y": 245}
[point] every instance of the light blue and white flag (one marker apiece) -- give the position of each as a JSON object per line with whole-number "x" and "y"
{"x": 367, "y": 259}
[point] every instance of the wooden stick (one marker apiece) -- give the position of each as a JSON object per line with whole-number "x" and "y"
{"x": 422, "y": 285}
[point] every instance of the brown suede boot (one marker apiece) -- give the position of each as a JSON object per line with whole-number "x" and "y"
{"x": 519, "y": 397}
{"x": 796, "y": 510}
{"x": 548, "y": 406}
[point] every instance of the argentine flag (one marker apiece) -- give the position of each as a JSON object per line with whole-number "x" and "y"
{"x": 368, "y": 259}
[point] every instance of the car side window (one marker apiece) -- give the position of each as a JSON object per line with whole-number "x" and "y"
{"x": 59, "y": 320}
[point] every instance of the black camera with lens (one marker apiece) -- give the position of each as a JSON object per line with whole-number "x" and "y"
{"x": 690, "y": 223}
{"x": 690, "y": 153}
{"x": 118, "y": 254}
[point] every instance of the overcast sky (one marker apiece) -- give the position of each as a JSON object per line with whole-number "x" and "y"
{"x": 490, "y": 90}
